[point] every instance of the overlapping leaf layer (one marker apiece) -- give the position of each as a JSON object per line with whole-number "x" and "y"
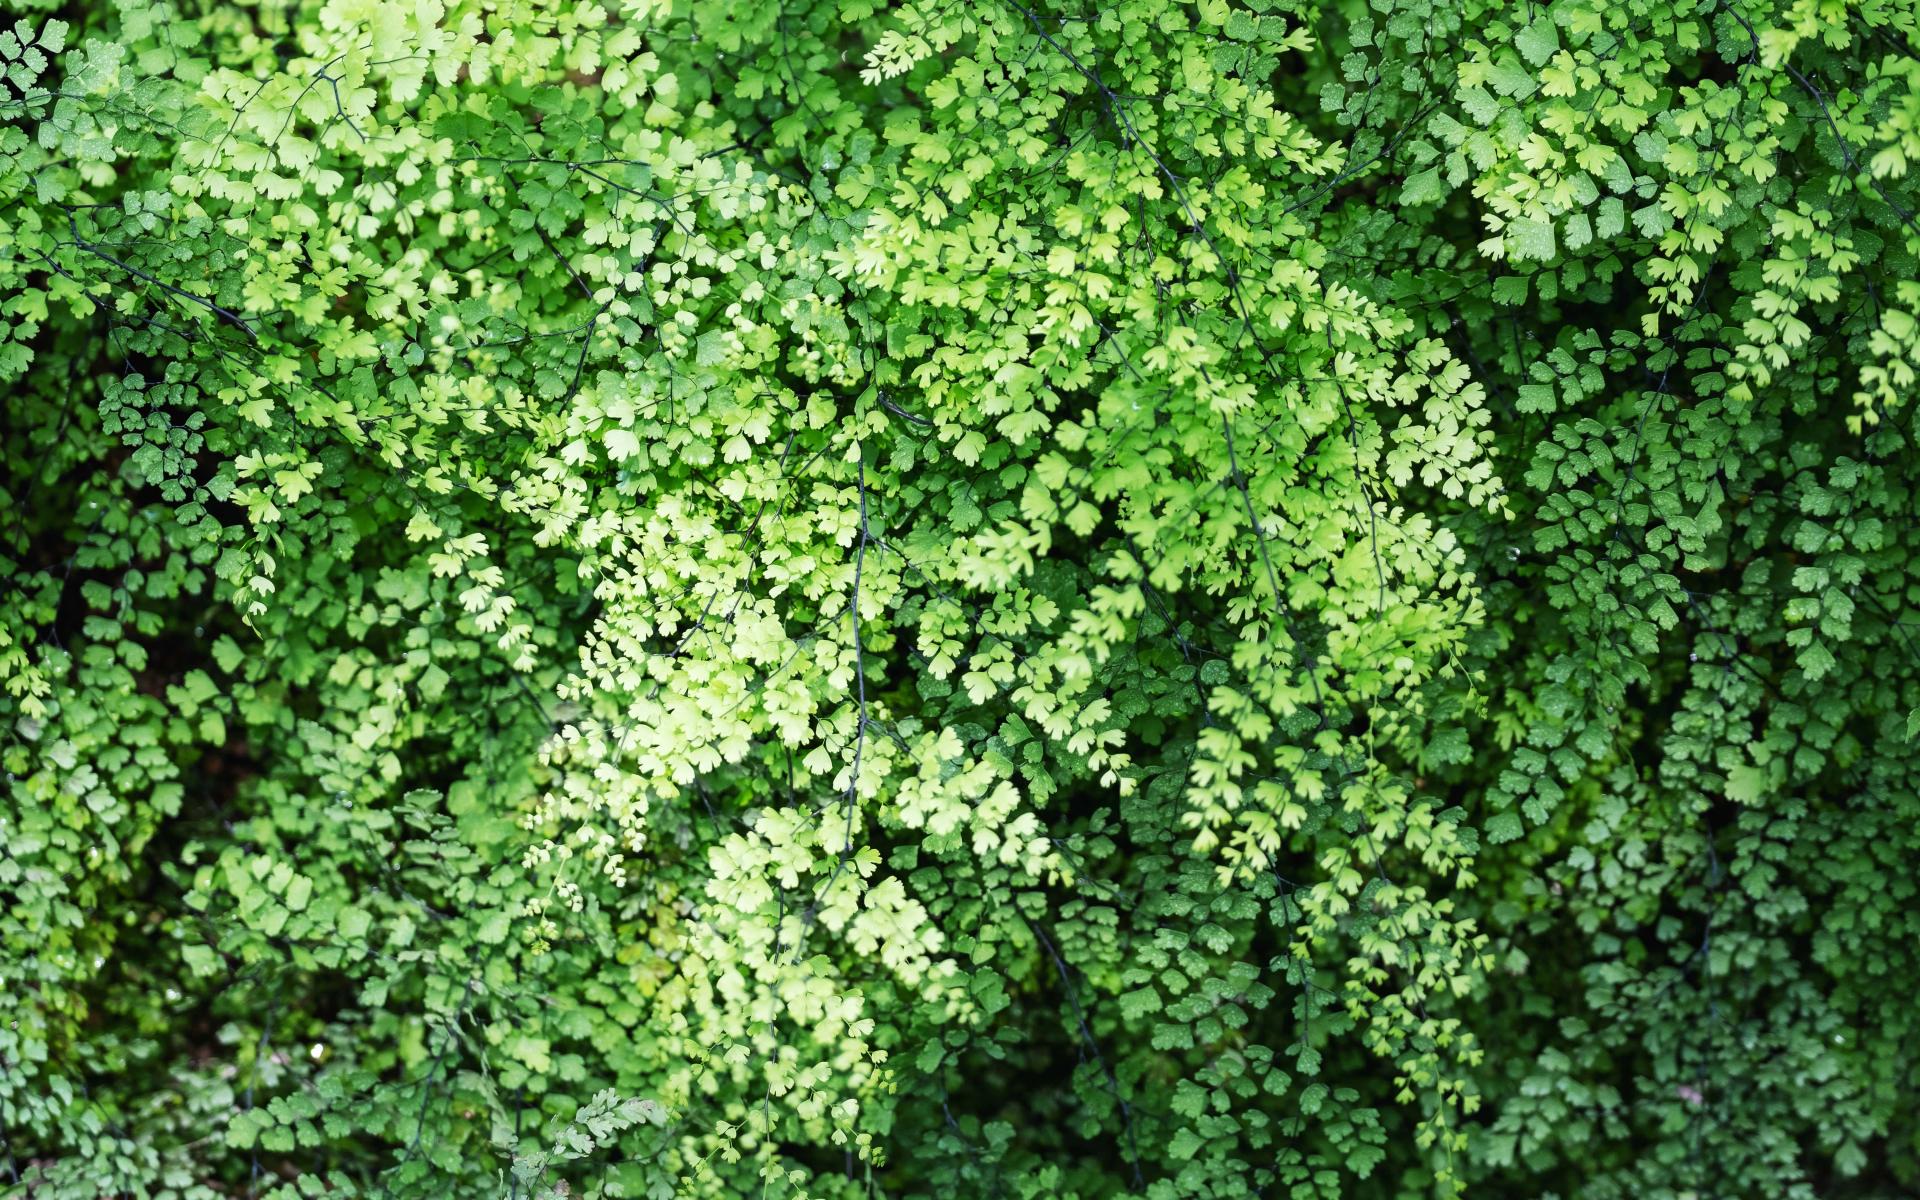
{"x": 1181, "y": 598}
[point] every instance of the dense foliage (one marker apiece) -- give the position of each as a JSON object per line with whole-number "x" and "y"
{"x": 1182, "y": 598}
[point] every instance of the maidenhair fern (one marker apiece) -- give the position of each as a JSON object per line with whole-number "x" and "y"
{"x": 1193, "y": 598}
